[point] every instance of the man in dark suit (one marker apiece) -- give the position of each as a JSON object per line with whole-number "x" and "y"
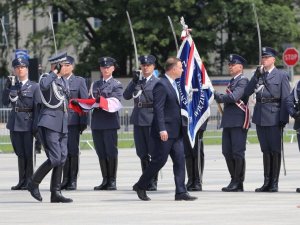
{"x": 293, "y": 107}
{"x": 235, "y": 123}
{"x": 105, "y": 122}
{"x": 167, "y": 133}
{"x": 270, "y": 115}
{"x": 53, "y": 129}
{"x": 76, "y": 125}
{"x": 23, "y": 95}
{"x": 142, "y": 115}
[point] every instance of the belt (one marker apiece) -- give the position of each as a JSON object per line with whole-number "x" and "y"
{"x": 268, "y": 100}
{"x": 144, "y": 105}
{"x": 17, "y": 109}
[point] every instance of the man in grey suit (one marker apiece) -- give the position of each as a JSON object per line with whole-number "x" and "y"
{"x": 23, "y": 95}
{"x": 270, "y": 115}
{"x": 76, "y": 125}
{"x": 53, "y": 129}
{"x": 167, "y": 133}
{"x": 235, "y": 123}
{"x": 142, "y": 115}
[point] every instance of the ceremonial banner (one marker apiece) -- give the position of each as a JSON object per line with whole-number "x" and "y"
{"x": 195, "y": 87}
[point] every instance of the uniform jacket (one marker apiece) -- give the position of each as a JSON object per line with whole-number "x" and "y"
{"x": 166, "y": 107}
{"x": 101, "y": 119}
{"x": 78, "y": 89}
{"x": 54, "y": 119}
{"x": 233, "y": 116}
{"x": 291, "y": 105}
{"x": 141, "y": 116}
{"x": 28, "y": 98}
{"x": 274, "y": 113}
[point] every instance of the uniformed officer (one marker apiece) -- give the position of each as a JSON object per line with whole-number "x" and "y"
{"x": 235, "y": 123}
{"x": 76, "y": 125}
{"x": 293, "y": 107}
{"x": 270, "y": 115}
{"x": 105, "y": 122}
{"x": 140, "y": 89}
{"x": 23, "y": 95}
{"x": 53, "y": 129}
{"x": 193, "y": 161}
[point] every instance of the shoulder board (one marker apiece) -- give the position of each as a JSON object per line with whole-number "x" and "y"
{"x": 78, "y": 77}
{"x": 116, "y": 81}
{"x": 44, "y": 75}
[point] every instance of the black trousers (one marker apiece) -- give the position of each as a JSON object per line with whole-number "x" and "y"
{"x": 106, "y": 143}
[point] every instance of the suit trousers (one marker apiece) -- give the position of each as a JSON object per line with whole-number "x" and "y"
{"x": 73, "y": 140}
{"x": 269, "y": 138}
{"x": 143, "y": 141}
{"x": 22, "y": 142}
{"x": 55, "y": 145}
{"x": 174, "y": 148}
{"x": 234, "y": 142}
{"x": 106, "y": 143}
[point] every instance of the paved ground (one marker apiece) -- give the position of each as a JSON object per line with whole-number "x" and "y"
{"x": 123, "y": 207}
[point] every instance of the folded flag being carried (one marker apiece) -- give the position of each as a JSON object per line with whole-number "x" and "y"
{"x": 194, "y": 85}
{"x": 82, "y": 106}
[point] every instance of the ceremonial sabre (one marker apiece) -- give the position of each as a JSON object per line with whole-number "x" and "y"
{"x": 258, "y": 32}
{"x": 53, "y": 34}
{"x": 133, "y": 41}
{"x": 173, "y": 31}
{"x": 282, "y": 152}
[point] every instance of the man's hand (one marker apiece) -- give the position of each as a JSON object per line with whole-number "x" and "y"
{"x": 163, "y": 135}
{"x": 75, "y": 102}
{"x": 98, "y": 99}
{"x": 82, "y": 127}
{"x": 58, "y": 67}
{"x": 296, "y": 115}
{"x": 258, "y": 72}
{"x": 8, "y": 83}
{"x": 136, "y": 76}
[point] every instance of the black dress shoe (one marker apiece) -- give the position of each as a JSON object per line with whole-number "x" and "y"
{"x": 141, "y": 193}
{"x": 34, "y": 191}
{"x": 184, "y": 197}
{"x": 57, "y": 197}
{"x": 298, "y": 190}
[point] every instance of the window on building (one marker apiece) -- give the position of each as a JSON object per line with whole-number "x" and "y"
{"x": 58, "y": 16}
{"x": 97, "y": 23}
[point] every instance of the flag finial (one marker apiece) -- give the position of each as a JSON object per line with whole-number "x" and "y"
{"x": 185, "y": 29}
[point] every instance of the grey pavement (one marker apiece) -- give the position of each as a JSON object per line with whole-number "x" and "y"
{"x": 123, "y": 207}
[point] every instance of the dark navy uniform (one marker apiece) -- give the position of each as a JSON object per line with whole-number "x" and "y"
{"x": 270, "y": 116}
{"x": 53, "y": 130}
{"x": 193, "y": 169}
{"x": 234, "y": 134}
{"x": 23, "y": 97}
{"x": 293, "y": 107}
{"x": 76, "y": 125}
{"x": 142, "y": 114}
{"x": 104, "y": 125}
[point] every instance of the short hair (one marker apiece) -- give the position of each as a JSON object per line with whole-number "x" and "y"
{"x": 171, "y": 62}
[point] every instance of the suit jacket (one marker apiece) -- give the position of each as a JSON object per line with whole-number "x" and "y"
{"x": 28, "y": 97}
{"x": 55, "y": 119}
{"x": 101, "y": 119}
{"x": 141, "y": 116}
{"x": 167, "y": 115}
{"x": 274, "y": 113}
{"x": 233, "y": 116}
{"x": 291, "y": 105}
{"x": 78, "y": 89}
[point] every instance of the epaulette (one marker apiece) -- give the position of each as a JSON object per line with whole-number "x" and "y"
{"x": 116, "y": 81}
